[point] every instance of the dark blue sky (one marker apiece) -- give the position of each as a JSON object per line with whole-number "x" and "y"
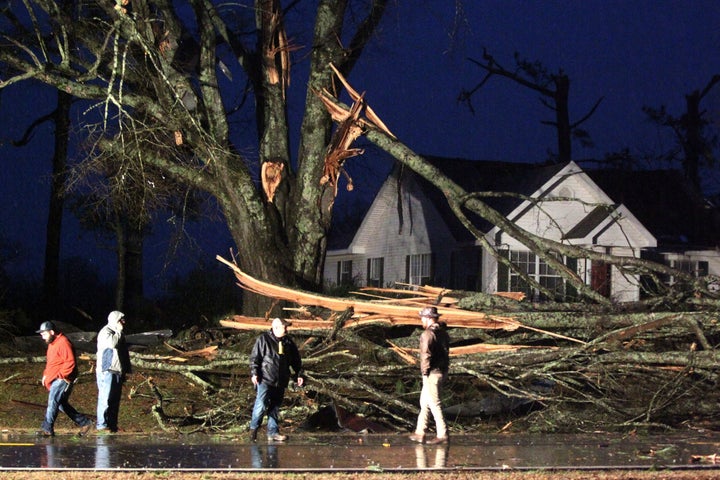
{"x": 630, "y": 52}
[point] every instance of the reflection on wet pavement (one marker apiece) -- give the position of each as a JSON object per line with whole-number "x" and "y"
{"x": 355, "y": 452}
{"x": 439, "y": 459}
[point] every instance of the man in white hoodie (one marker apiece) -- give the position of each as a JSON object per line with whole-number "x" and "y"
{"x": 113, "y": 363}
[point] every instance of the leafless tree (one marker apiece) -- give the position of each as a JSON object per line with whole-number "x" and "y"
{"x": 695, "y": 141}
{"x": 554, "y": 89}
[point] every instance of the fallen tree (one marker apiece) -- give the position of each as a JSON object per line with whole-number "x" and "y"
{"x": 544, "y": 371}
{"x": 630, "y": 367}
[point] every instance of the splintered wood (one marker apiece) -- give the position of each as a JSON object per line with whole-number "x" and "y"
{"x": 386, "y": 311}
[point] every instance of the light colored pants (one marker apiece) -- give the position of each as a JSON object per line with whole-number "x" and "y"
{"x": 108, "y": 405}
{"x": 430, "y": 404}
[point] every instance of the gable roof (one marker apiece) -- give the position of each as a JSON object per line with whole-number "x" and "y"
{"x": 660, "y": 199}
{"x": 665, "y": 203}
{"x": 471, "y": 175}
{"x": 486, "y": 176}
{"x": 591, "y": 221}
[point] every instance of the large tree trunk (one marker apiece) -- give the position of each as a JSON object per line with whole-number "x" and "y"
{"x": 164, "y": 114}
{"x": 562, "y": 117}
{"x": 51, "y": 271}
{"x": 134, "y": 288}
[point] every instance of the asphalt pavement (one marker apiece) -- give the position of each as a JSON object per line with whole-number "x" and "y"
{"x": 357, "y": 452}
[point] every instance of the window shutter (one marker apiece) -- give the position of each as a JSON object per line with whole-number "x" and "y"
{"x": 339, "y": 273}
{"x": 503, "y": 273}
{"x": 431, "y": 280}
{"x": 600, "y": 278}
{"x": 407, "y": 268}
{"x": 381, "y": 278}
{"x": 570, "y": 291}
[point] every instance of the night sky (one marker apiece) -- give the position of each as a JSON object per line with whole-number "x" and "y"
{"x": 632, "y": 53}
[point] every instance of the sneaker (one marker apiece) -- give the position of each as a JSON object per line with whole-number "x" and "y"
{"x": 277, "y": 438}
{"x": 44, "y": 433}
{"x": 416, "y": 437}
{"x": 438, "y": 441}
{"x": 85, "y": 429}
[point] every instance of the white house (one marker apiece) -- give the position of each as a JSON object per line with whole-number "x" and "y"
{"x": 410, "y": 236}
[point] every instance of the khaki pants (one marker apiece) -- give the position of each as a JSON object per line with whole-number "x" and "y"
{"x": 430, "y": 403}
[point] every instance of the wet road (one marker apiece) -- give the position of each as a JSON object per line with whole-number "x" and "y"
{"x": 343, "y": 452}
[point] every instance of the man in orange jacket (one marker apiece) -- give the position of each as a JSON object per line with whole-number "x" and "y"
{"x": 58, "y": 377}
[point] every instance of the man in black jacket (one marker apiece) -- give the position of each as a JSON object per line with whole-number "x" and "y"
{"x": 434, "y": 366}
{"x": 272, "y": 357}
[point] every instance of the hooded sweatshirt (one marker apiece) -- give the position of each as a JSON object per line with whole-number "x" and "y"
{"x": 112, "y": 353}
{"x": 60, "y": 361}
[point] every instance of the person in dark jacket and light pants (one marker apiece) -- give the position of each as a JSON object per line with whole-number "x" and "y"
{"x": 434, "y": 366}
{"x": 273, "y": 356}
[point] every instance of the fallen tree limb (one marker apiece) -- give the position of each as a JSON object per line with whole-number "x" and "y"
{"x": 395, "y": 314}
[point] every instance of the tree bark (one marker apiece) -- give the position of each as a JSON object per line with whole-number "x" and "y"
{"x": 51, "y": 272}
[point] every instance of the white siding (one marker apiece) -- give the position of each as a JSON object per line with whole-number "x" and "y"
{"x": 384, "y": 234}
{"x": 553, "y": 219}
{"x": 565, "y": 200}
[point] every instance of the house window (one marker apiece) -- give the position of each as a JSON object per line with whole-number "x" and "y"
{"x": 684, "y": 264}
{"x": 344, "y": 272}
{"x": 419, "y": 268}
{"x": 691, "y": 267}
{"x": 535, "y": 268}
{"x": 375, "y": 272}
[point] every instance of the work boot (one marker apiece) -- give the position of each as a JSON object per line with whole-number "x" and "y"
{"x": 44, "y": 433}
{"x": 438, "y": 441}
{"x": 277, "y": 438}
{"x": 85, "y": 429}
{"x": 253, "y": 434}
{"x": 417, "y": 437}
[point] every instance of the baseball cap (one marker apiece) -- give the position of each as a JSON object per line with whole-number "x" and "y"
{"x": 45, "y": 326}
{"x": 430, "y": 312}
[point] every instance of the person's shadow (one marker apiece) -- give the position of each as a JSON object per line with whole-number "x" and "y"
{"x": 440, "y": 459}
{"x": 267, "y": 460}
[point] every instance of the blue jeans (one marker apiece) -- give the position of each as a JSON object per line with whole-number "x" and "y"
{"x": 267, "y": 401}
{"x": 108, "y": 405}
{"x": 60, "y": 391}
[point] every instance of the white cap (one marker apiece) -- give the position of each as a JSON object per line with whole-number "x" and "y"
{"x": 277, "y": 322}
